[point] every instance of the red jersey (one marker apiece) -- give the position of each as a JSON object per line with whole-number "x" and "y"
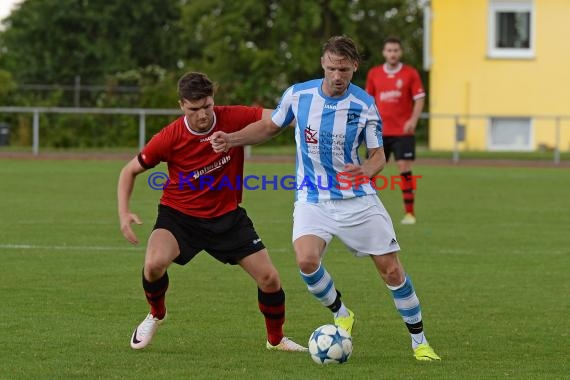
{"x": 202, "y": 183}
{"x": 394, "y": 92}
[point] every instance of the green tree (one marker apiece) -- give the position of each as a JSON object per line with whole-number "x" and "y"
{"x": 254, "y": 49}
{"x": 257, "y": 49}
{"x": 52, "y": 41}
{"x": 7, "y": 85}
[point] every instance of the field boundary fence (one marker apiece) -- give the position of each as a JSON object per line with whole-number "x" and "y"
{"x": 459, "y": 121}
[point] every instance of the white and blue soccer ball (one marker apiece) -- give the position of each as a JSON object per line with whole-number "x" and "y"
{"x": 330, "y": 344}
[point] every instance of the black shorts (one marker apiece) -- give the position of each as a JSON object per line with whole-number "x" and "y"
{"x": 228, "y": 238}
{"x": 403, "y": 147}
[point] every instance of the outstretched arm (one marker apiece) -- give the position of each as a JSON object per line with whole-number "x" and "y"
{"x": 124, "y": 191}
{"x": 254, "y": 133}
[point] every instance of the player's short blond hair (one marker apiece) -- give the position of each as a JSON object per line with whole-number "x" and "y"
{"x": 343, "y": 46}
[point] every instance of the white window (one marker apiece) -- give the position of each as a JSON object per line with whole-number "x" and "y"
{"x": 510, "y": 134}
{"x": 511, "y": 29}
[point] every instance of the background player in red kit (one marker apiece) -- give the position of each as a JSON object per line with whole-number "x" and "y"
{"x": 193, "y": 217}
{"x": 399, "y": 94}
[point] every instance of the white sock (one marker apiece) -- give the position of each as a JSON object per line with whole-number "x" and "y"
{"x": 342, "y": 312}
{"x": 418, "y": 339}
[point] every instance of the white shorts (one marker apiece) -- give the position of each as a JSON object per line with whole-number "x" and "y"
{"x": 361, "y": 223}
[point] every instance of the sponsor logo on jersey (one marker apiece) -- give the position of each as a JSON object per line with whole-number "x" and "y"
{"x": 310, "y": 136}
{"x": 210, "y": 168}
{"x": 388, "y": 96}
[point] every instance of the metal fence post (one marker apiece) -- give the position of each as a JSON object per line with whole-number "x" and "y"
{"x": 455, "y": 141}
{"x": 36, "y": 133}
{"x": 77, "y": 91}
{"x": 557, "y": 142}
{"x": 142, "y": 129}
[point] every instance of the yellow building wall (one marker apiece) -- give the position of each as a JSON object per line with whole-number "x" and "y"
{"x": 463, "y": 80}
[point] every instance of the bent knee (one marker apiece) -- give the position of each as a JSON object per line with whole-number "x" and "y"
{"x": 308, "y": 260}
{"x": 155, "y": 263}
{"x": 269, "y": 282}
{"x": 307, "y": 265}
{"x": 393, "y": 275}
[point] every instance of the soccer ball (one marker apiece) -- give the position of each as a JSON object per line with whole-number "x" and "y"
{"x": 330, "y": 344}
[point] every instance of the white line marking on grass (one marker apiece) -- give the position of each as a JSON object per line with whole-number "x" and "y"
{"x": 93, "y": 248}
{"x": 67, "y": 247}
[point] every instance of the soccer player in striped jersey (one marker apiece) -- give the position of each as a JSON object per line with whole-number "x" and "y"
{"x": 332, "y": 118}
{"x": 193, "y": 217}
{"x": 399, "y": 94}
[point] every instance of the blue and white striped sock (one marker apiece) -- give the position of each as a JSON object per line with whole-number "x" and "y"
{"x": 321, "y": 285}
{"x": 408, "y": 306}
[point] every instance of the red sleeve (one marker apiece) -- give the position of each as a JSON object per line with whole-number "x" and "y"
{"x": 155, "y": 150}
{"x": 417, "y": 86}
{"x": 240, "y": 116}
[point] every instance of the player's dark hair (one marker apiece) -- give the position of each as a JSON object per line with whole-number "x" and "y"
{"x": 195, "y": 86}
{"x": 391, "y": 40}
{"x": 343, "y": 46}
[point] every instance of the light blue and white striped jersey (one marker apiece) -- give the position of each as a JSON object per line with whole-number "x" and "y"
{"x": 328, "y": 132}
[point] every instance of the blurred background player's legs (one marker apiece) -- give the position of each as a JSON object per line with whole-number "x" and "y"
{"x": 405, "y": 154}
{"x": 408, "y": 191}
{"x": 403, "y": 150}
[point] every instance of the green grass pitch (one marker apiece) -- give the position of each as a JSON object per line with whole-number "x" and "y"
{"x": 489, "y": 257}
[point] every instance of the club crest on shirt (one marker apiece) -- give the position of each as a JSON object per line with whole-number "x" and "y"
{"x": 399, "y": 83}
{"x": 352, "y": 118}
{"x": 310, "y": 136}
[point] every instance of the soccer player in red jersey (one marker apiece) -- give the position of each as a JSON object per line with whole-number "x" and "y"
{"x": 399, "y": 94}
{"x": 199, "y": 208}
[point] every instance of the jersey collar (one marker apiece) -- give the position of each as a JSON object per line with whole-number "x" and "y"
{"x": 199, "y": 133}
{"x": 335, "y": 99}
{"x": 394, "y": 71}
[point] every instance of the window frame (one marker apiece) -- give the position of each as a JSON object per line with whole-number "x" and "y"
{"x": 496, "y": 6}
{"x": 510, "y": 148}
